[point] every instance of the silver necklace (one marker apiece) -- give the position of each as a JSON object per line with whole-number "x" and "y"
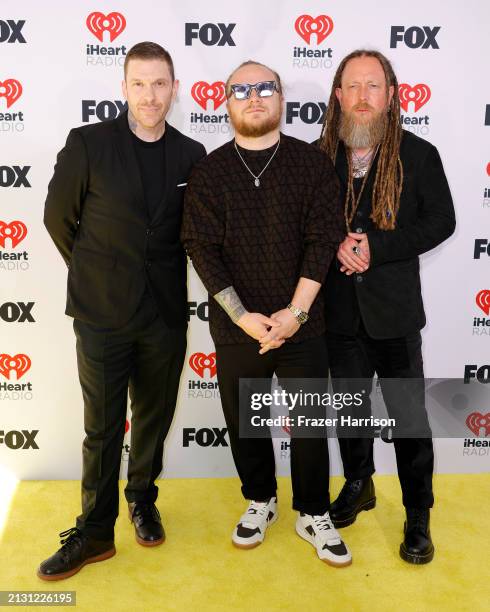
{"x": 257, "y": 177}
{"x": 360, "y": 165}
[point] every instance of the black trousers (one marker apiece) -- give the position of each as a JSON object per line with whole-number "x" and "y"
{"x": 361, "y": 356}
{"x": 254, "y": 458}
{"x": 146, "y": 357}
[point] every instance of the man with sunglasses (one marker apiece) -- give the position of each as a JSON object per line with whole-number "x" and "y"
{"x": 262, "y": 222}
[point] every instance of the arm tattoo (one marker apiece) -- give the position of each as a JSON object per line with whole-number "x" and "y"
{"x": 133, "y": 124}
{"x": 230, "y": 303}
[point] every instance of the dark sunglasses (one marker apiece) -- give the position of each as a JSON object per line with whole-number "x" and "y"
{"x": 243, "y": 91}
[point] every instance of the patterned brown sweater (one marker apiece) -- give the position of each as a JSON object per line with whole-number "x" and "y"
{"x": 262, "y": 239}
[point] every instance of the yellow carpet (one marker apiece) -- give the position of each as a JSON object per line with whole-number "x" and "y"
{"x": 197, "y": 568}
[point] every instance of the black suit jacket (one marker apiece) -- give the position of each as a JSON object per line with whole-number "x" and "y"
{"x": 97, "y": 217}
{"x": 388, "y": 295}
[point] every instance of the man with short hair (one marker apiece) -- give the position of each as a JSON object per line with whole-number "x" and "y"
{"x": 114, "y": 210}
{"x": 397, "y": 205}
{"x": 262, "y": 222}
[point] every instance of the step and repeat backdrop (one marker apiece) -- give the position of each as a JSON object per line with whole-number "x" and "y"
{"x": 61, "y": 65}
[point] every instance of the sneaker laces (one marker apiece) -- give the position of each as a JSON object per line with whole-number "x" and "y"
{"x": 326, "y": 529}
{"x": 255, "y": 514}
{"x": 70, "y": 539}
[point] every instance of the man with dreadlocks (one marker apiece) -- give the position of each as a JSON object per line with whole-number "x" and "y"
{"x": 397, "y": 205}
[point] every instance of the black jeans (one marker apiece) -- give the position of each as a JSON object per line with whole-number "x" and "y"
{"x": 361, "y": 356}
{"x": 146, "y": 357}
{"x": 254, "y": 457}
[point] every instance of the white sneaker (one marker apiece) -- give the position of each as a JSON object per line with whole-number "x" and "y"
{"x": 250, "y": 530}
{"x": 319, "y": 531}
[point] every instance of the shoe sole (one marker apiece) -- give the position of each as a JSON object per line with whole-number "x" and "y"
{"x": 255, "y": 544}
{"x": 300, "y": 530}
{"x": 146, "y": 542}
{"x": 368, "y": 505}
{"x": 414, "y": 558}
{"x": 150, "y": 542}
{"x": 102, "y": 557}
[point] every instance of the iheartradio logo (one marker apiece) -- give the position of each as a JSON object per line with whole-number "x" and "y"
{"x": 483, "y": 301}
{"x": 11, "y": 89}
{"x": 200, "y": 362}
{"x": 418, "y": 94}
{"x": 202, "y": 92}
{"x": 98, "y": 23}
{"x": 19, "y": 364}
{"x": 15, "y": 230}
{"x": 306, "y": 25}
{"x": 476, "y": 421}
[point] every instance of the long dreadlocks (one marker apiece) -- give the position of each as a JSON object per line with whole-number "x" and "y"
{"x": 389, "y": 174}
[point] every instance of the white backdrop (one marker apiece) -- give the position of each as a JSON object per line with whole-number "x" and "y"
{"x": 70, "y": 72}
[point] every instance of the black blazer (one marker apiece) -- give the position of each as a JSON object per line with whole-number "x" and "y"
{"x": 388, "y": 295}
{"x": 96, "y": 215}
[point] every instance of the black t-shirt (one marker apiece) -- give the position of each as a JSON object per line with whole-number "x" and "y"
{"x": 151, "y": 161}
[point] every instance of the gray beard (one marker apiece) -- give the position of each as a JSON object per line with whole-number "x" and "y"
{"x": 362, "y": 135}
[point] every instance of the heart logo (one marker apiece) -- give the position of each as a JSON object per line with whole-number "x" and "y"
{"x": 202, "y": 92}
{"x": 483, "y": 300}
{"x": 475, "y": 421}
{"x": 17, "y": 363}
{"x": 15, "y": 230}
{"x": 200, "y": 361}
{"x": 98, "y": 23}
{"x": 11, "y": 89}
{"x": 306, "y": 25}
{"x": 418, "y": 94}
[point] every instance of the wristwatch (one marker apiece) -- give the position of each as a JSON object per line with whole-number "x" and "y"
{"x": 301, "y": 315}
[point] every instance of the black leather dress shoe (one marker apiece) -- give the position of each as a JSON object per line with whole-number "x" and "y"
{"x": 417, "y": 546}
{"x": 77, "y": 550}
{"x": 147, "y": 523}
{"x": 356, "y": 495}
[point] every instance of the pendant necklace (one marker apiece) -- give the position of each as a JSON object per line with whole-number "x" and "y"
{"x": 360, "y": 165}
{"x": 257, "y": 176}
{"x": 351, "y": 199}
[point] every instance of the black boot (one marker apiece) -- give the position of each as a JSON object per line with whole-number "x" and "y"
{"x": 417, "y": 546}
{"x": 356, "y": 495}
{"x": 147, "y": 523}
{"x": 77, "y": 550}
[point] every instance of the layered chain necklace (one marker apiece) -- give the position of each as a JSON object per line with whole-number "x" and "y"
{"x": 355, "y": 171}
{"x": 360, "y": 164}
{"x": 257, "y": 176}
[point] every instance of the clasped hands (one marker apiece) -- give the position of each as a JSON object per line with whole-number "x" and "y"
{"x": 353, "y": 253}
{"x": 271, "y": 332}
